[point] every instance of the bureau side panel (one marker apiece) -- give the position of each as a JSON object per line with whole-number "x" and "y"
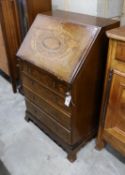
{"x": 87, "y": 90}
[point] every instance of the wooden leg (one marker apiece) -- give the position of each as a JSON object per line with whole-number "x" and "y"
{"x": 72, "y": 156}
{"x": 13, "y": 81}
{"x": 27, "y": 118}
{"x": 100, "y": 143}
{"x": 14, "y": 88}
{"x": 20, "y": 89}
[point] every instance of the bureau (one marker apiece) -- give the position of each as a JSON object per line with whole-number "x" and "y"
{"x": 112, "y": 119}
{"x": 62, "y": 62}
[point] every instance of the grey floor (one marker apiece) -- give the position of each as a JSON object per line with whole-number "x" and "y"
{"x": 25, "y": 150}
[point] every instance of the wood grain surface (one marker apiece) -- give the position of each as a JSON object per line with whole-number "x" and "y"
{"x": 60, "y": 60}
{"x": 56, "y": 43}
{"x": 118, "y": 33}
{"x": 3, "y": 56}
{"x": 112, "y": 117}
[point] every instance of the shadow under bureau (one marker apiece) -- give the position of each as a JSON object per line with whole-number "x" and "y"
{"x": 62, "y": 64}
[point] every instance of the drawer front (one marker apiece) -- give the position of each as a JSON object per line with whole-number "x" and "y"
{"x": 120, "y": 51}
{"x": 54, "y": 112}
{"x": 50, "y": 123}
{"x": 45, "y": 93}
{"x": 44, "y": 78}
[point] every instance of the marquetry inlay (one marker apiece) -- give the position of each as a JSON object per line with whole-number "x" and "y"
{"x": 58, "y": 43}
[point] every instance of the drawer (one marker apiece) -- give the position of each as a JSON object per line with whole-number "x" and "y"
{"x": 45, "y": 93}
{"x": 44, "y": 78}
{"x": 50, "y": 123}
{"x": 120, "y": 51}
{"x": 53, "y": 111}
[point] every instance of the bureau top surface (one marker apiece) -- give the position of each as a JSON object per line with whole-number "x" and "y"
{"x": 57, "y": 46}
{"x": 117, "y": 33}
{"x": 83, "y": 18}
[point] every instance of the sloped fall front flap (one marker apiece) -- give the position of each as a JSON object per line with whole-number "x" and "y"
{"x": 57, "y": 46}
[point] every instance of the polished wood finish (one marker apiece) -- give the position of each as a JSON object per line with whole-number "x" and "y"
{"x": 11, "y": 34}
{"x": 45, "y": 92}
{"x": 3, "y": 54}
{"x": 112, "y": 119}
{"x": 60, "y": 44}
{"x": 51, "y": 82}
{"x": 34, "y": 7}
{"x": 10, "y": 22}
{"x": 59, "y": 115}
{"x": 78, "y": 18}
{"x": 120, "y": 53}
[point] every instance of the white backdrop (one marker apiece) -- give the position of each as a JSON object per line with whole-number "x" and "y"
{"x": 80, "y": 6}
{"x": 104, "y": 8}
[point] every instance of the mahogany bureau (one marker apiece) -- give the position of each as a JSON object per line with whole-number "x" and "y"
{"x": 112, "y": 119}
{"x": 62, "y": 62}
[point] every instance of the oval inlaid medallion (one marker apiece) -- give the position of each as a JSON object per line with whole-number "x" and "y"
{"x": 51, "y": 43}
